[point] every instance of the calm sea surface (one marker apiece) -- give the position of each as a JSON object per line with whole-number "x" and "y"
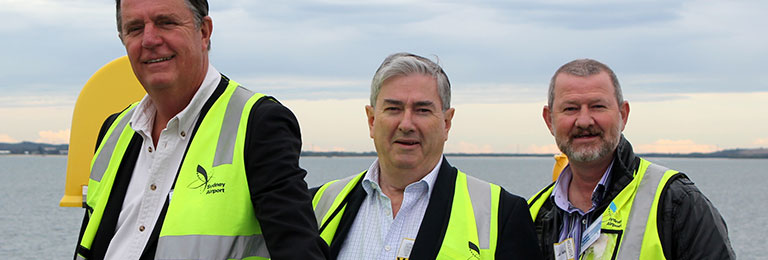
{"x": 33, "y": 226}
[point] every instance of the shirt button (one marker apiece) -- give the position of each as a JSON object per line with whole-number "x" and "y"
{"x": 183, "y": 134}
{"x": 150, "y": 149}
{"x": 153, "y": 187}
{"x": 584, "y": 221}
{"x": 387, "y": 248}
{"x": 141, "y": 228}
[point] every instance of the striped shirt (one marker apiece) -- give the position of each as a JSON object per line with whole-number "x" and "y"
{"x": 575, "y": 221}
{"x": 374, "y": 233}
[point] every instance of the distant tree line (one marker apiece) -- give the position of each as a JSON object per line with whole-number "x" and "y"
{"x": 45, "y": 149}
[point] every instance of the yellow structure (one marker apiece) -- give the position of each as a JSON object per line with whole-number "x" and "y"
{"x": 111, "y": 89}
{"x": 560, "y": 162}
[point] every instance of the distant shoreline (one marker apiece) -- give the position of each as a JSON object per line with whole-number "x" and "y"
{"x": 721, "y": 155}
{"x": 500, "y": 155}
{"x": 42, "y": 149}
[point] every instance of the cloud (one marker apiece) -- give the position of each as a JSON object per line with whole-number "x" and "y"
{"x": 54, "y": 137}
{"x": 305, "y": 87}
{"x": 4, "y": 138}
{"x": 550, "y": 148}
{"x": 466, "y": 147}
{"x": 37, "y": 100}
{"x": 79, "y": 14}
{"x": 675, "y": 146}
{"x": 315, "y": 148}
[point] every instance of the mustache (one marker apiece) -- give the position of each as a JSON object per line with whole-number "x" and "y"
{"x": 588, "y": 131}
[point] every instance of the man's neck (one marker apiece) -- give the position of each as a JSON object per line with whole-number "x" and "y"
{"x": 168, "y": 105}
{"x": 393, "y": 181}
{"x": 585, "y": 177}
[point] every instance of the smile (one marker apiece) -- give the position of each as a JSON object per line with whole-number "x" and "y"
{"x": 407, "y": 142}
{"x": 585, "y": 135}
{"x": 159, "y": 59}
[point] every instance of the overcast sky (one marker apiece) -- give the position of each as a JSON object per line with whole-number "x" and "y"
{"x": 693, "y": 71}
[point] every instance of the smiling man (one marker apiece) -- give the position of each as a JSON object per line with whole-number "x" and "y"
{"x": 411, "y": 203}
{"x": 608, "y": 203}
{"x": 200, "y": 168}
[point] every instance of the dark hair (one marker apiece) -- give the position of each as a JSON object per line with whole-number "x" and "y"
{"x": 198, "y": 7}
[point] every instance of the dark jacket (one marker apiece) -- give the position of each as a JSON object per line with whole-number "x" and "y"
{"x": 276, "y": 183}
{"x": 690, "y": 227}
{"x": 516, "y": 240}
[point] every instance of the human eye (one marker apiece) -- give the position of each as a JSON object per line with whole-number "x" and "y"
{"x": 391, "y": 109}
{"x": 166, "y": 22}
{"x": 132, "y": 29}
{"x": 424, "y": 110}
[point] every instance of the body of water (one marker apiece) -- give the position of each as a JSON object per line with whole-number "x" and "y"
{"x": 33, "y": 226}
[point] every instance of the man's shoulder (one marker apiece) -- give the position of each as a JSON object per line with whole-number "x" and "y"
{"x": 510, "y": 199}
{"x": 342, "y": 181}
{"x": 680, "y": 189}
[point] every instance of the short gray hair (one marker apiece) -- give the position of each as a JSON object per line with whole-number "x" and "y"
{"x": 585, "y": 68}
{"x": 199, "y": 9}
{"x": 404, "y": 64}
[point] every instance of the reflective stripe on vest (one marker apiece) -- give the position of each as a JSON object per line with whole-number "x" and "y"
{"x": 473, "y": 219}
{"x": 210, "y": 215}
{"x": 470, "y": 193}
{"x": 480, "y": 196}
{"x": 100, "y": 163}
{"x": 111, "y": 148}
{"x": 234, "y": 247}
{"x": 646, "y": 195}
{"x": 322, "y": 204}
{"x": 328, "y": 197}
{"x": 635, "y": 232}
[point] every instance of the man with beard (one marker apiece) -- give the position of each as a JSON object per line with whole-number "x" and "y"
{"x": 608, "y": 203}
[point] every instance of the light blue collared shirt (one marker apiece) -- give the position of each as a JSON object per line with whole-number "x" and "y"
{"x": 575, "y": 221}
{"x": 374, "y": 233}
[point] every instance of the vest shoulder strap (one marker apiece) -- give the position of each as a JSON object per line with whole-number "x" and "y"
{"x": 535, "y": 203}
{"x": 480, "y": 194}
{"x": 326, "y": 196}
{"x": 652, "y": 175}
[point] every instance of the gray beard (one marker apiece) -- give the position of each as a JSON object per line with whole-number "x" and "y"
{"x": 590, "y": 154}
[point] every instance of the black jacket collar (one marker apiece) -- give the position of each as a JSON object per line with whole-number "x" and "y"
{"x": 622, "y": 172}
{"x": 433, "y": 225}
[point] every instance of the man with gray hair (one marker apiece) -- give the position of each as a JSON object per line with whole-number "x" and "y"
{"x": 200, "y": 168}
{"x": 411, "y": 203}
{"x": 608, "y": 203}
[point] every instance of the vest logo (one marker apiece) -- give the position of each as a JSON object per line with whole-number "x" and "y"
{"x": 474, "y": 250}
{"x": 613, "y": 222}
{"x": 614, "y": 218}
{"x": 204, "y": 184}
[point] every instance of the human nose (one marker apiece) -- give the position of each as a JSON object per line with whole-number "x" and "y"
{"x": 406, "y": 122}
{"x": 584, "y": 118}
{"x": 150, "y": 37}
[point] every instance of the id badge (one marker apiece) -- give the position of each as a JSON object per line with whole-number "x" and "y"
{"x": 565, "y": 250}
{"x": 404, "y": 252}
{"x": 591, "y": 234}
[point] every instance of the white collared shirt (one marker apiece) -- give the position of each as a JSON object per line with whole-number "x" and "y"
{"x": 155, "y": 170}
{"x": 374, "y": 233}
